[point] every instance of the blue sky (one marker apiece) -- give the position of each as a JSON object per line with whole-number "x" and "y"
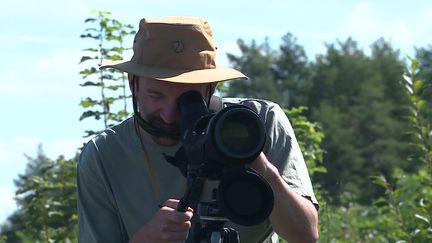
{"x": 41, "y": 48}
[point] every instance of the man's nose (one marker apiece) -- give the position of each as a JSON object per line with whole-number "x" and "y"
{"x": 170, "y": 113}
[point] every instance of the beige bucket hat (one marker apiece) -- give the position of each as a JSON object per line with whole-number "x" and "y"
{"x": 175, "y": 49}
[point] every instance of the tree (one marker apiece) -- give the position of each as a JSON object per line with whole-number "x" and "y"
{"x": 281, "y": 76}
{"x": 292, "y": 72}
{"x": 337, "y": 81}
{"x": 424, "y": 57}
{"x": 388, "y": 148}
{"x": 359, "y": 103}
{"x": 403, "y": 213}
{"x": 47, "y": 202}
{"x": 258, "y": 62}
{"x": 109, "y": 34}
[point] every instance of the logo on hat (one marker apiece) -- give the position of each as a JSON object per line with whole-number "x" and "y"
{"x": 177, "y": 46}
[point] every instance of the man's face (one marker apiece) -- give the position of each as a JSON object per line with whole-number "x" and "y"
{"x": 157, "y": 101}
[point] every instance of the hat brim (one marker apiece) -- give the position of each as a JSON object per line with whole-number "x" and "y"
{"x": 218, "y": 74}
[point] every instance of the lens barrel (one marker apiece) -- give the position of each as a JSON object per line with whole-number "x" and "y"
{"x": 245, "y": 197}
{"x": 237, "y": 135}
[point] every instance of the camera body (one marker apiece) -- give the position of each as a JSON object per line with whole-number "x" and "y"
{"x": 220, "y": 146}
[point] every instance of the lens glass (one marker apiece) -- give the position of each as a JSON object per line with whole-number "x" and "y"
{"x": 239, "y": 135}
{"x": 245, "y": 198}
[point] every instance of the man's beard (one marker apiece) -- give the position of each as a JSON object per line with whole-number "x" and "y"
{"x": 166, "y": 140}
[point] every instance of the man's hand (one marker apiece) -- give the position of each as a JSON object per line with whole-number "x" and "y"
{"x": 294, "y": 217}
{"x": 167, "y": 225}
{"x": 264, "y": 167}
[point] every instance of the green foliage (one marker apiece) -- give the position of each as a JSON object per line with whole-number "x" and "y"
{"x": 424, "y": 57}
{"x": 292, "y": 72}
{"x": 255, "y": 61}
{"x": 409, "y": 203}
{"x": 309, "y": 136}
{"x": 281, "y": 76}
{"x": 404, "y": 212}
{"x": 402, "y": 215}
{"x": 411, "y": 196}
{"x": 419, "y": 117}
{"x": 108, "y": 35}
{"x": 47, "y": 202}
{"x": 360, "y": 106}
{"x": 48, "y": 209}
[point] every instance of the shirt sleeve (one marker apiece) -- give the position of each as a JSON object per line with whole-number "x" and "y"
{"x": 283, "y": 150}
{"x": 98, "y": 219}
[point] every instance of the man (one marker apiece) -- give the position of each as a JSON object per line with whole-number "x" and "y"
{"x": 127, "y": 191}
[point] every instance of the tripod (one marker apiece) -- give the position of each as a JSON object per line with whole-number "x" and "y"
{"x": 210, "y": 226}
{"x": 208, "y": 223}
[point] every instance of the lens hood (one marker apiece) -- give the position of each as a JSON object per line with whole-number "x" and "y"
{"x": 237, "y": 135}
{"x": 245, "y": 197}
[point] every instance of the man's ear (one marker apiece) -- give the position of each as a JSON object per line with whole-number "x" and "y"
{"x": 131, "y": 80}
{"x": 213, "y": 87}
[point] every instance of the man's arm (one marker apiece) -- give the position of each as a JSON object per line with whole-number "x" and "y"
{"x": 97, "y": 217}
{"x": 294, "y": 217}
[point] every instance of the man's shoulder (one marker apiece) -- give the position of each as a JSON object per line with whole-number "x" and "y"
{"x": 263, "y": 107}
{"x": 118, "y": 130}
{"x": 108, "y": 138}
{"x": 251, "y": 102}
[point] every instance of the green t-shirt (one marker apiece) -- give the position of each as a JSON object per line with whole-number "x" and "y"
{"x": 117, "y": 194}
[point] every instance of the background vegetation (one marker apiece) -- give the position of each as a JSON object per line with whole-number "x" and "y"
{"x": 363, "y": 121}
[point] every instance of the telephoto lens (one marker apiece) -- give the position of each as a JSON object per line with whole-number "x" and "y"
{"x": 237, "y": 135}
{"x": 245, "y": 197}
{"x": 220, "y": 146}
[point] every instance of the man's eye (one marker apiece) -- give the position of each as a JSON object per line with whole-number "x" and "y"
{"x": 155, "y": 97}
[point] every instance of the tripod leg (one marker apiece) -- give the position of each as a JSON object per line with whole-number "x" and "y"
{"x": 215, "y": 237}
{"x": 230, "y": 236}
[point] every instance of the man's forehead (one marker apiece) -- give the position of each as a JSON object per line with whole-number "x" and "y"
{"x": 151, "y": 82}
{"x": 170, "y": 88}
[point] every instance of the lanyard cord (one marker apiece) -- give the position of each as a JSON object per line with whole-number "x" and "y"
{"x": 149, "y": 164}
